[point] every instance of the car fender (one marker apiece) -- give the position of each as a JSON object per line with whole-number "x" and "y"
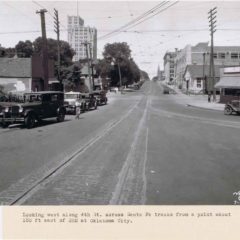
{"x": 28, "y": 111}
{"x": 62, "y": 108}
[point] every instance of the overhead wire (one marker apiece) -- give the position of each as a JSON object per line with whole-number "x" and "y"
{"x": 135, "y": 20}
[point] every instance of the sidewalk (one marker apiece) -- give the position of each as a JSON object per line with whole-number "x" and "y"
{"x": 197, "y": 101}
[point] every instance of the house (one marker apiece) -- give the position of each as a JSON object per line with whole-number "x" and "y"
{"x": 195, "y": 80}
{"x": 23, "y": 74}
{"x": 229, "y": 84}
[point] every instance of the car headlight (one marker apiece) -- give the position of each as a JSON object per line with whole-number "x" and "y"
{"x": 6, "y": 109}
{"x": 20, "y": 109}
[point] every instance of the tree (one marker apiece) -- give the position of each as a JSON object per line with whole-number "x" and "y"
{"x": 24, "y": 49}
{"x": 115, "y": 51}
{"x": 119, "y": 54}
{"x": 7, "y": 52}
{"x": 66, "y": 52}
{"x": 71, "y": 76}
{"x": 144, "y": 76}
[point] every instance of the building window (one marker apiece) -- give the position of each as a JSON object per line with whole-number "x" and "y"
{"x": 234, "y": 55}
{"x": 221, "y": 55}
{"x": 214, "y": 55}
{"x": 199, "y": 83}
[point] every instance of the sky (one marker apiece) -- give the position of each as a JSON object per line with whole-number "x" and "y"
{"x": 173, "y": 25}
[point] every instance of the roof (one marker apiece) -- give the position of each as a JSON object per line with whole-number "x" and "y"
{"x": 15, "y": 67}
{"x": 44, "y": 92}
{"x": 196, "y": 71}
{"x": 229, "y": 82}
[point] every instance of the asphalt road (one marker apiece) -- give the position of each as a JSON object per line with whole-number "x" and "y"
{"x": 142, "y": 148}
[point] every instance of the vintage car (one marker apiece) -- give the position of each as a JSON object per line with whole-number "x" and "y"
{"x": 232, "y": 107}
{"x": 72, "y": 100}
{"x": 90, "y": 101}
{"x": 35, "y": 107}
{"x": 100, "y": 97}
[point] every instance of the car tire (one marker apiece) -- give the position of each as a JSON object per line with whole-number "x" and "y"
{"x": 5, "y": 124}
{"x": 74, "y": 111}
{"x": 228, "y": 111}
{"x": 61, "y": 116}
{"x": 30, "y": 121}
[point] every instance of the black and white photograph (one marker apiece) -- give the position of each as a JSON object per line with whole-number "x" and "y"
{"x": 119, "y": 103}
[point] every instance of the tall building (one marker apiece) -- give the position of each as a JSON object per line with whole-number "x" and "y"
{"x": 81, "y": 37}
{"x": 169, "y": 66}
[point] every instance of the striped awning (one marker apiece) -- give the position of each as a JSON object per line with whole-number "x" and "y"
{"x": 228, "y": 82}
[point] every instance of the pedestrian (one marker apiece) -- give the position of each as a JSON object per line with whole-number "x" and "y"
{"x": 209, "y": 97}
{"x": 78, "y": 111}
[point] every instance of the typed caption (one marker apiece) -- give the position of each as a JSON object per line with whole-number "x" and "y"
{"x": 99, "y": 217}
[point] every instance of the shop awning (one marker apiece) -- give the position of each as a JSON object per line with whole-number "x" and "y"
{"x": 228, "y": 82}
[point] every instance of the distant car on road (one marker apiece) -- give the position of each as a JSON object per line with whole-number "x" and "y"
{"x": 36, "y": 107}
{"x": 90, "y": 101}
{"x": 101, "y": 97}
{"x": 166, "y": 91}
{"x": 72, "y": 100}
{"x": 232, "y": 107}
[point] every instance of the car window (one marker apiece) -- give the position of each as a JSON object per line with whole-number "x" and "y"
{"x": 46, "y": 98}
{"x": 54, "y": 97}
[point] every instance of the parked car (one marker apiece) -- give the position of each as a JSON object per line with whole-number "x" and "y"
{"x": 101, "y": 97}
{"x": 90, "y": 101}
{"x": 232, "y": 107}
{"x": 72, "y": 100}
{"x": 35, "y": 107}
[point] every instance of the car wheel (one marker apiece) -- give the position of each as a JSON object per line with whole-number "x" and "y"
{"x": 61, "y": 116}
{"x": 30, "y": 121}
{"x": 5, "y": 124}
{"x": 74, "y": 111}
{"x": 228, "y": 111}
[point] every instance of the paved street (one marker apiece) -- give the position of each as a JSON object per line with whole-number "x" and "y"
{"x": 142, "y": 148}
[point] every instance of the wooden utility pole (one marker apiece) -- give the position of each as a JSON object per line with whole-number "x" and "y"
{"x": 89, "y": 67}
{"x": 212, "y": 20}
{"x": 92, "y": 67}
{"x": 204, "y": 76}
{"x": 57, "y": 31}
{"x": 44, "y": 49}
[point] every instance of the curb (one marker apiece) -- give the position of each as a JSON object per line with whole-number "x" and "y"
{"x": 211, "y": 109}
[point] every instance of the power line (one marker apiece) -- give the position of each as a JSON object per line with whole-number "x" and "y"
{"x": 132, "y": 31}
{"x": 153, "y": 15}
{"x": 135, "y": 20}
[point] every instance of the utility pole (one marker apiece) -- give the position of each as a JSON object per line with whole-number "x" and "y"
{"x": 204, "y": 77}
{"x": 212, "y": 20}
{"x": 57, "y": 31}
{"x": 120, "y": 76}
{"x": 91, "y": 59}
{"x": 44, "y": 49}
{"x": 89, "y": 71}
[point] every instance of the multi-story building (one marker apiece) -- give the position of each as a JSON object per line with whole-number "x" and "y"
{"x": 200, "y": 55}
{"x": 169, "y": 66}
{"x": 82, "y": 39}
